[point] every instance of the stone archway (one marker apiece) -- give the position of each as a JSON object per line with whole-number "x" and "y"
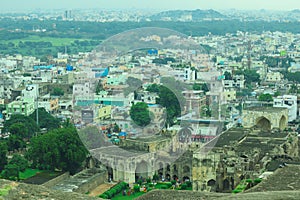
{"x": 141, "y": 171}
{"x": 263, "y": 123}
{"x": 282, "y": 122}
{"x": 226, "y": 185}
{"x": 211, "y": 182}
{"x": 121, "y": 172}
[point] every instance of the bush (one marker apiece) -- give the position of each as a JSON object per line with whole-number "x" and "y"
{"x": 189, "y": 183}
{"x": 164, "y": 187}
{"x": 236, "y": 191}
{"x": 169, "y": 184}
{"x": 183, "y": 186}
{"x": 136, "y": 188}
{"x": 173, "y": 182}
{"x": 151, "y": 184}
{"x": 108, "y": 194}
{"x": 103, "y": 196}
{"x": 148, "y": 180}
{"x": 140, "y": 181}
{"x": 113, "y": 192}
{"x": 257, "y": 180}
{"x": 249, "y": 181}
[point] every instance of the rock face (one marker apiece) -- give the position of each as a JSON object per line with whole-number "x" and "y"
{"x": 183, "y": 195}
{"x": 14, "y": 191}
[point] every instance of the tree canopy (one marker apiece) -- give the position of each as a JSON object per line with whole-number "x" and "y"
{"x": 265, "y": 97}
{"x": 139, "y": 113}
{"x": 26, "y": 124}
{"x": 46, "y": 120}
{"x": 3, "y": 157}
{"x": 59, "y": 148}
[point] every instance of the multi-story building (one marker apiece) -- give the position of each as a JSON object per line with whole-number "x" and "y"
{"x": 274, "y": 77}
{"x": 289, "y": 102}
{"x": 238, "y": 81}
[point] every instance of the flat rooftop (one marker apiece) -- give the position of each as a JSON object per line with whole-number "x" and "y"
{"x": 265, "y": 109}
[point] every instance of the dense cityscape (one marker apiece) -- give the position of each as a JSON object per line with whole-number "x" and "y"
{"x": 149, "y": 104}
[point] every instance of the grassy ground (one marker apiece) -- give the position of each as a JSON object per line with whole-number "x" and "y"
{"x": 29, "y": 173}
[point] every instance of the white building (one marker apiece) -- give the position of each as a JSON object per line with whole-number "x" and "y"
{"x": 289, "y": 102}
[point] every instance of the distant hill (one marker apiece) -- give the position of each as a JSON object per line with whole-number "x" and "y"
{"x": 187, "y": 15}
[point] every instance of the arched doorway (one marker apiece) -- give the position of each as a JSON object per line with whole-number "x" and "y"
{"x": 226, "y": 185}
{"x": 121, "y": 171}
{"x": 185, "y": 178}
{"x": 282, "y": 122}
{"x": 263, "y": 124}
{"x": 211, "y": 182}
{"x": 141, "y": 171}
{"x": 110, "y": 173}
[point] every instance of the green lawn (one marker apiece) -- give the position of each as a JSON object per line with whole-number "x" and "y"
{"x": 29, "y": 173}
{"x": 131, "y": 197}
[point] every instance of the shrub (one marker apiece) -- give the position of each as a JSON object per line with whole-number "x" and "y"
{"x": 136, "y": 188}
{"x": 168, "y": 184}
{"x": 189, "y": 183}
{"x": 183, "y": 186}
{"x": 173, "y": 182}
{"x": 236, "y": 191}
{"x": 113, "y": 192}
{"x": 249, "y": 180}
{"x": 108, "y": 194}
{"x": 103, "y": 196}
{"x": 148, "y": 180}
{"x": 151, "y": 184}
{"x": 257, "y": 180}
{"x": 164, "y": 187}
{"x": 140, "y": 181}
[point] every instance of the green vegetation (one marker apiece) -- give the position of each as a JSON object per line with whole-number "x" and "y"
{"x": 3, "y": 157}
{"x": 265, "y": 97}
{"x": 46, "y": 120}
{"x": 57, "y": 92}
{"x": 114, "y": 190}
{"x": 29, "y": 173}
{"x": 295, "y": 77}
{"x": 140, "y": 114}
{"x": 240, "y": 187}
{"x": 251, "y": 76}
{"x": 4, "y": 190}
{"x": 58, "y": 149}
{"x": 21, "y": 125}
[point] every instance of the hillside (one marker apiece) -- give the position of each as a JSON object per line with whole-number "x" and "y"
{"x": 12, "y": 190}
{"x": 187, "y": 15}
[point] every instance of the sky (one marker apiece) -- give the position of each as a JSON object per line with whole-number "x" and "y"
{"x": 10, "y": 5}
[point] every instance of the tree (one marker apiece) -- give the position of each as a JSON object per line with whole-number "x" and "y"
{"x": 197, "y": 86}
{"x": 170, "y": 101}
{"x": 59, "y": 148}
{"x": 57, "y": 92}
{"x": 19, "y": 161}
{"x": 265, "y": 97}
{"x": 46, "y": 120}
{"x": 11, "y": 172}
{"x": 29, "y": 126}
{"x": 99, "y": 87}
{"x": 139, "y": 113}
{"x": 227, "y": 76}
{"x": 3, "y": 153}
{"x": 153, "y": 88}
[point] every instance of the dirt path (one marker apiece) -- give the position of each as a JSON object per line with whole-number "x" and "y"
{"x": 100, "y": 189}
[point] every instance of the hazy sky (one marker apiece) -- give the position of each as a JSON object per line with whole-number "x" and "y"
{"x": 152, "y": 4}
